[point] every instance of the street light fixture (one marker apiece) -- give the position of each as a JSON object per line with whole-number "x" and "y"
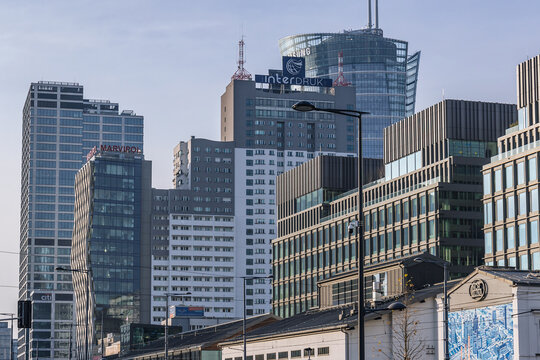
{"x": 445, "y": 305}
{"x": 305, "y": 106}
{"x": 167, "y": 295}
{"x": 244, "y": 321}
{"x": 87, "y": 272}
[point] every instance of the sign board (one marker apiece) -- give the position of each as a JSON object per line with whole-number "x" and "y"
{"x": 191, "y": 311}
{"x": 42, "y": 296}
{"x": 294, "y": 72}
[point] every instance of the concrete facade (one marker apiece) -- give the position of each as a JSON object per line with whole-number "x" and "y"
{"x": 511, "y": 195}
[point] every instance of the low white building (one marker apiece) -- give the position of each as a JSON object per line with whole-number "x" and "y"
{"x": 331, "y": 333}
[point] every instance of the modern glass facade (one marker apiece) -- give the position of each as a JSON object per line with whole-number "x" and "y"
{"x": 108, "y": 240}
{"x": 59, "y": 128}
{"x": 381, "y": 70}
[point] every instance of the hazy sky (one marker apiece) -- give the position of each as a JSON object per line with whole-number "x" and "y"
{"x": 171, "y": 61}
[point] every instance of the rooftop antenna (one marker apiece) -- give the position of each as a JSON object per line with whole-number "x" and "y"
{"x": 340, "y": 80}
{"x": 369, "y": 25}
{"x": 241, "y": 73}
{"x": 376, "y": 14}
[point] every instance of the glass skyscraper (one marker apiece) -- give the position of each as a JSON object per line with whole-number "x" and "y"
{"x": 380, "y": 68}
{"x": 59, "y": 128}
{"x": 111, "y": 238}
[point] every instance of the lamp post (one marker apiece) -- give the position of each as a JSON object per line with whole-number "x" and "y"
{"x": 305, "y": 106}
{"x": 11, "y": 340}
{"x": 167, "y": 295}
{"x": 87, "y": 272}
{"x": 445, "y": 301}
{"x": 244, "y": 321}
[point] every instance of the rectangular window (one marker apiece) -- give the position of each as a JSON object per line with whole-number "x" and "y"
{"x": 431, "y": 229}
{"x": 414, "y": 207}
{"x": 423, "y": 232}
{"x": 533, "y": 232}
{"x": 499, "y": 240}
{"x": 431, "y": 201}
{"x": 397, "y": 212}
{"x": 521, "y": 173}
{"x": 405, "y": 210}
{"x": 498, "y": 180}
{"x": 512, "y": 262}
{"x": 414, "y": 234}
{"x": 535, "y": 261}
{"x": 532, "y": 169}
{"x": 524, "y": 262}
{"x": 510, "y": 208}
{"x": 488, "y": 243}
{"x": 488, "y": 213}
{"x": 509, "y": 170}
{"x": 487, "y": 183}
{"x": 405, "y": 236}
{"x": 522, "y": 234}
{"x": 499, "y": 209}
{"x": 533, "y": 195}
{"x": 398, "y": 239}
{"x": 510, "y": 237}
{"x": 522, "y": 203}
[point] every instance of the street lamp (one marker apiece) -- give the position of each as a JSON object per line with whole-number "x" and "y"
{"x": 167, "y": 295}
{"x": 87, "y": 272}
{"x": 305, "y": 106}
{"x": 445, "y": 305}
{"x": 244, "y": 321}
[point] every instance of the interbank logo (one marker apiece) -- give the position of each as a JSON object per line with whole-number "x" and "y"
{"x": 294, "y": 66}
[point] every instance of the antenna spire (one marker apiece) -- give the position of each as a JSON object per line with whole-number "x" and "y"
{"x": 340, "y": 80}
{"x": 241, "y": 73}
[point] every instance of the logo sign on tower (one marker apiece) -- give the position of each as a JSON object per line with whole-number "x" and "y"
{"x": 294, "y": 73}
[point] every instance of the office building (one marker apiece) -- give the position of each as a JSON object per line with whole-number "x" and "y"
{"x": 381, "y": 69}
{"x": 59, "y": 128}
{"x": 428, "y": 201}
{"x": 111, "y": 242}
{"x": 193, "y": 233}
{"x": 216, "y": 226}
{"x": 6, "y": 342}
{"x": 511, "y": 182}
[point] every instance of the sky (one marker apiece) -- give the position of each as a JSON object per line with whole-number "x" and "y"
{"x": 171, "y": 61}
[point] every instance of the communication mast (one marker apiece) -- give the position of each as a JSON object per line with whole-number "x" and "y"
{"x": 241, "y": 73}
{"x": 340, "y": 80}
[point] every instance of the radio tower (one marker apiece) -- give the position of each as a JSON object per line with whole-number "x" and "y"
{"x": 241, "y": 73}
{"x": 340, "y": 80}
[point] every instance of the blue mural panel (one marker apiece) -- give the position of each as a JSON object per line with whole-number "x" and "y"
{"x": 481, "y": 334}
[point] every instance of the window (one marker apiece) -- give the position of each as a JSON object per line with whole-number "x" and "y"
{"x": 499, "y": 243}
{"x": 509, "y": 170}
{"x": 431, "y": 201}
{"x": 522, "y": 234}
{"x": 414, "y": 207}
{"x": 534, "y": 200}
{"x": 532, "y": 169}
{"x": 499, "y": 210}
{"x": 488, "y": 215}
{"x": 422, "y": 204}
{"x": 323, "y": 351}
{"x": 521, "y": 173}
{"x": 487, "y": 183}
{"x": 488, "y": 243}
{"x": 522, "y": 203}
{"x": 524, "y": 262}
{"x": 296, "y": 353}
{"x": 283, "y": 355}
{"x": 536, "y": 261}
{"x": 510, "y": 237}
{"x": 498, "y": 180}
{"x": 533, "y": 231}
{"x": 510, "y": 208}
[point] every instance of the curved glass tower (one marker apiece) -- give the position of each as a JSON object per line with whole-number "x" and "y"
{"x": 380, "y": 68}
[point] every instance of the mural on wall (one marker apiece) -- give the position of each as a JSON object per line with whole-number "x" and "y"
{"x": 481, "y": 334}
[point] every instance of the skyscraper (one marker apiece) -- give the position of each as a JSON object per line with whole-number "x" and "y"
{"x": 111, "y": 237}
{"x": 380, "y": 68}
{"x": 59, "y": 128}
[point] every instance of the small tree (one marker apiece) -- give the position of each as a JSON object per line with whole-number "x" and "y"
{"x": 407, "y": 344}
